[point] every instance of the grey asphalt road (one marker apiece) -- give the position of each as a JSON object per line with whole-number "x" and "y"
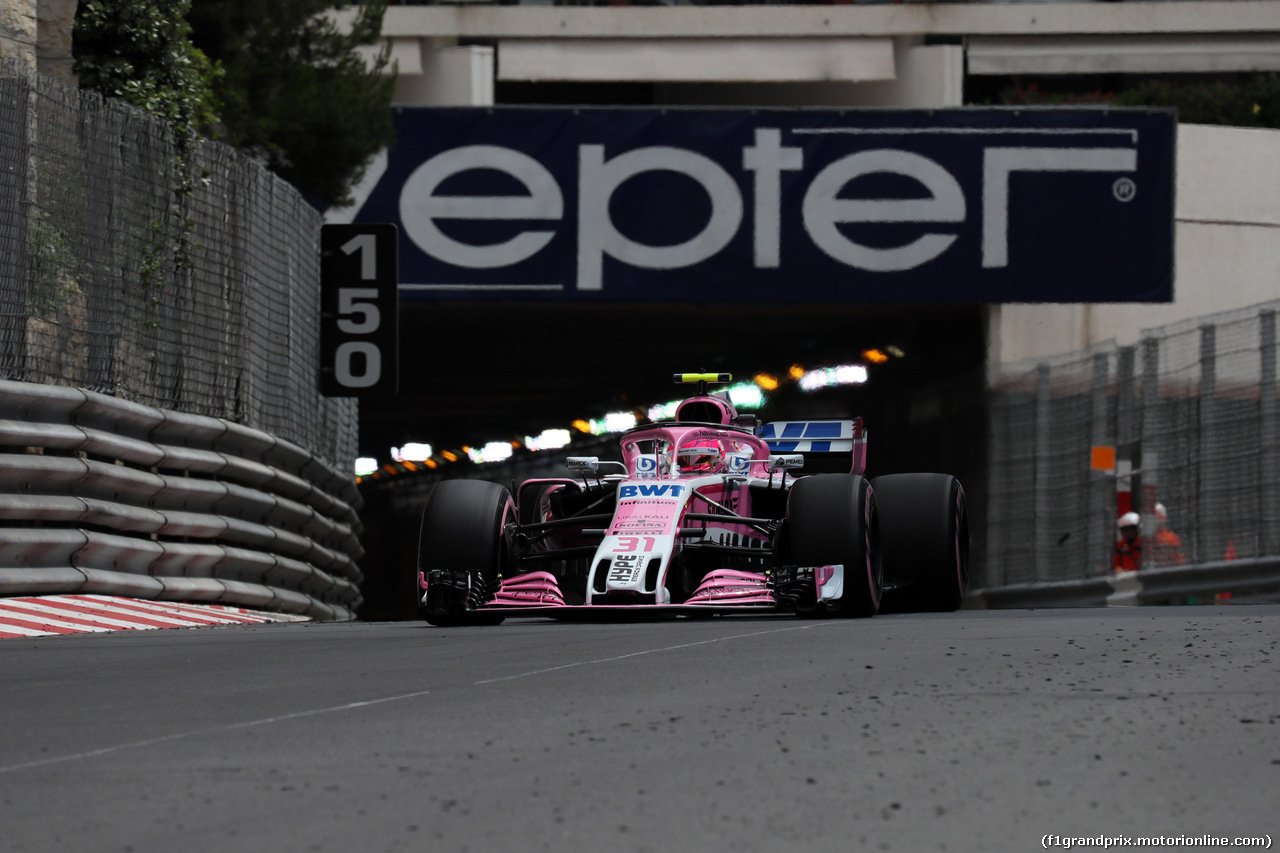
{"x": 967, "y": 731}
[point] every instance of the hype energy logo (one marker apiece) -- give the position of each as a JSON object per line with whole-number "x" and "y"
{"x": 957, "y": 205}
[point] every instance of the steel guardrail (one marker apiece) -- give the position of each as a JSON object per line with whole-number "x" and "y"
{"x": 1204, "y": 582}
{"x": 102, "y": 495}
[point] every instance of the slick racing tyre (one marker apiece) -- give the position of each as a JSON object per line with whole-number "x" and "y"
{"x": 924, "y": 539}
{"x": 462, "y": 538}
{"x": 831, "y": 520}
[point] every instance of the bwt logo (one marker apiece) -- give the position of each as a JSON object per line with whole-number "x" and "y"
{"x": 938, "y": 211}
{"x": 650, "y": 491}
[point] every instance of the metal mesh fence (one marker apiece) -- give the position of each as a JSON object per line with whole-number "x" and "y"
{"x": 1192, "y": 413}
{"x": 205, "y": 303}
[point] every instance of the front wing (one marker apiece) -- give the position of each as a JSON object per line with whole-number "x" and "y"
{"x": 785, "y": 589}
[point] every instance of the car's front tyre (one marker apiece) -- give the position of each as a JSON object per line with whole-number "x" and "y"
{"x": 462, "y": 550}
{"x": 832, "y": 520}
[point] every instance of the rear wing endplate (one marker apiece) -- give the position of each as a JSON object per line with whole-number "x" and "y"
{"x": 819, "y": 437}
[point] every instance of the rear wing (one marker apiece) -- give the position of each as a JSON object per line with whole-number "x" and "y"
{"x": 819, "y": 437}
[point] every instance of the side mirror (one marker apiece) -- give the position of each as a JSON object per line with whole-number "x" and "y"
{"x": 590, "y": 464}
{"x": 583, "y": 463}
{"x": 786, "y": 462}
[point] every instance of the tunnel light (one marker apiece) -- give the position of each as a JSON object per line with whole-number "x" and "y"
{"x": 548, "y": 439}
{"x": 796, "y": 372}
{"x": 449, "y": 455}
{"x": 895, "y": 352}
{"x": 813, "y": 380}
{"x": 494, "y": 451}
{"x": 663, "y": 411}
{"x": 366, "y": 465}
{"x": 827, "y": 377}
{"x": 618, "y": 422}
{"x": 875, "y": 356}
{"x": 851, "y": 374}
{"x": 411, "y": 452}
{"x": 746, "y": 396}
{"x": 766, "y": 382}
{"x": 581, "y": 426}
{"x": 611, "y": 422}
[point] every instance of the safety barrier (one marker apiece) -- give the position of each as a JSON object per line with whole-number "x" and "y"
{"x": 102, "y": 495}
{"x": 1191, "y": 414}
{"x": 1235, "y": 580}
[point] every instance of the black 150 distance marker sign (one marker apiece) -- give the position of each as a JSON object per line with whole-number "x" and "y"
{"x": 359, "y": 310}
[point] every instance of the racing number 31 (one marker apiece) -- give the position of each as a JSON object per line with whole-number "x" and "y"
{"x": 359, "y": 310}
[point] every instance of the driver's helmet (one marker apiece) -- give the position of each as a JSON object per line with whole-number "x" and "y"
{"x": 1130, "y": 521}
{"x": 700, "y": 457}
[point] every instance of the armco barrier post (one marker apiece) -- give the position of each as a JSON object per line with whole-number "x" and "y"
{"x": 1268, "y": 438}
{"x": 1150, "y": 427}
{"x": 1044, "y": 450}
{"x": 1129, "y": 421}
{"x": 1101, "y": 500}
{"x": 1129, "y": 407}
{"x": 1206, "y": 533}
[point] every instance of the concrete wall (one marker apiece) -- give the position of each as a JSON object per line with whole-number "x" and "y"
{"x": 1227, "y": 250}
{"x": 529, "y": 20}
{"x": 924, "y": 76}
{"x": 39, "y": 33}
{"x": 18, "y": 30}
{"x": 437, "y": 72}
{"x": 928, "y": 76}
{"x": 445, "y": 74}
{"x": 54, "y": 20}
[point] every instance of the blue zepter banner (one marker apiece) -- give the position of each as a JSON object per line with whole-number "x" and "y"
{"x": 956, "y": 205}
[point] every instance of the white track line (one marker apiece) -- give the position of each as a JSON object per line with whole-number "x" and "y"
{"x": 647, "y": 652}
{"x": 138, "y": 744}
{"x": 141, "y": 744}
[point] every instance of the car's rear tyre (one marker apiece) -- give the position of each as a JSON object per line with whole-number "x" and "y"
{"x": 462, "y": 536}
{"x": 831, "y": 520}
{"x": 924, "y": 539}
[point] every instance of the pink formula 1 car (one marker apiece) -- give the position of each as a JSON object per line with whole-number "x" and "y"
{"x": 702, "y": 516}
